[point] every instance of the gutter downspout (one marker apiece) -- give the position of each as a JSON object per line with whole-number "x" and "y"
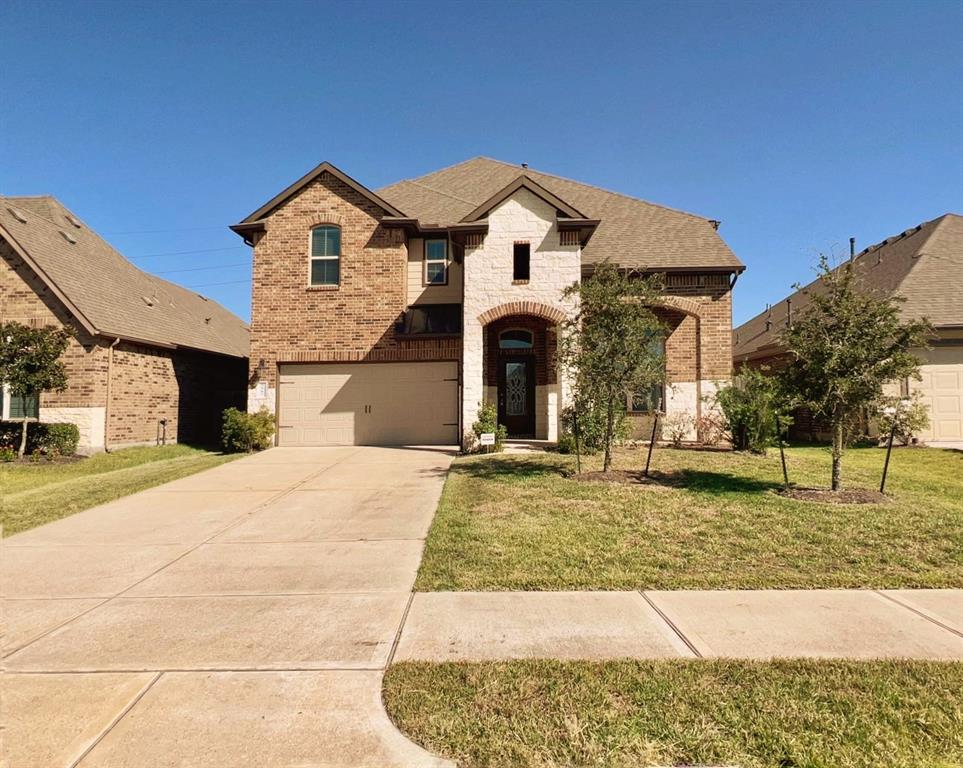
{"x": 110, "y": 363}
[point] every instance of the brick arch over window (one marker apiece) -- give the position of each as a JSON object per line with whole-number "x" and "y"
{"x": 688, "y": 306}
{"x": 332, "y": 219}
{"x": 552, "y": 314}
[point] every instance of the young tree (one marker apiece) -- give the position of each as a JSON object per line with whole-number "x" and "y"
{"x": 30, "y": 363}
{"x": 844, "y": 347}
{"x": 608, "y": 346}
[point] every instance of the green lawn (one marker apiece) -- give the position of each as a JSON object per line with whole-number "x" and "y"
{"x": 520, "y": 522}
{"x": 812, "y": 714}
{"x": 34, "y": 494}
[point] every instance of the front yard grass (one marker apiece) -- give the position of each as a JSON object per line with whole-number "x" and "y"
{"x": 843, "y": 714}
{"x": 520, "y": 522}
{"x": 34, "y": 494}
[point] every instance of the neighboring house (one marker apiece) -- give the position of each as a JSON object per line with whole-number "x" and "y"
{"x": 387, "y": 317}
{"x": 143, "y": 350}
{"x": 924, "y": 266}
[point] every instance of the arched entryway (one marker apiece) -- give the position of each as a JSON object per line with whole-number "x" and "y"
{"x": 520, "y": 373}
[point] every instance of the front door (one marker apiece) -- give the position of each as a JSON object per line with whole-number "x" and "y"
{"x": 516, "y": 395}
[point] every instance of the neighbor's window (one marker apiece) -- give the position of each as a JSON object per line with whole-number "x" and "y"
{"x": 436, "y": 262}
{"x": 652, "y": 399}
{"x": 515, "y": 338}
{"x": 431, "y": 318}
{"x": 25, "y": 407}
{"x": 521, "y": 259}
{"x": 325, "y": 255}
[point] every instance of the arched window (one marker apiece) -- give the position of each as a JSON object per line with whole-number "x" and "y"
{"x": 515, "y": 338}
{"x": 325, "y": 255}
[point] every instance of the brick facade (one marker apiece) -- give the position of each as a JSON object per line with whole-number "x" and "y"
{"x": 147, "y": 383}
{"x": 354, "y": 321}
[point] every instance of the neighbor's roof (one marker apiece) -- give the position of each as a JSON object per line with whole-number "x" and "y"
{"x": 923, "y": 265}
{"x": 109, "y": 295}
{"x": 631, "y": 233}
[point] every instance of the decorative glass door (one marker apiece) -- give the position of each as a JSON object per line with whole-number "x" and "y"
{"x": 516, "y": 396}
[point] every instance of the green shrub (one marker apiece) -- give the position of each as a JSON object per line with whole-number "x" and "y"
{"x": 488, "y": 422}
{"x": 247, "y": 432}
{"x": 61, "y": 439}
{"x": 591, "y": 427}
{"x": 750, "y": 406}
{"x": 7, "y": 453}
{"x": 42, "y": 439}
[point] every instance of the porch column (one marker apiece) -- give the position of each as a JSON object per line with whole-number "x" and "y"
{"x": 472, "y": 371}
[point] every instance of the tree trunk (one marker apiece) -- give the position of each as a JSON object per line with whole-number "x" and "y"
{"x": 609, "y": 429}
{"x": 23, "y": 439}
{"x": 837, "y": 451}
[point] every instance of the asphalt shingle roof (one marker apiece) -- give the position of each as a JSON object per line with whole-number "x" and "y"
{"x": 923, "y": 265}
{"x": 116, "y": 297}
{"x": 632, "y": 232}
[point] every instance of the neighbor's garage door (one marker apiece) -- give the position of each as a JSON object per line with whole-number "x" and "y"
{"x": 368, "y": 404}
{"x": 942, "y": 387}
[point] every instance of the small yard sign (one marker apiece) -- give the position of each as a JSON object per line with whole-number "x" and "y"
{"x": 487, "y": 438}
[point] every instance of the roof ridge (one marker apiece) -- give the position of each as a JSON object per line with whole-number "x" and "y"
{"x": 592, "y": 186}
{"x": 436, "y": 191}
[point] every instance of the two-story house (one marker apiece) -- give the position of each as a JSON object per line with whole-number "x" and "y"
{"x": 388, "y": 316}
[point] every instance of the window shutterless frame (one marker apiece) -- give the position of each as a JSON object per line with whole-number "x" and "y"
{"x": 436, "y": 262}
{"x": 324, "y": 256}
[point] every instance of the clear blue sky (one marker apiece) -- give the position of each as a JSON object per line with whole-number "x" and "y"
{"x": 796, "y": 124}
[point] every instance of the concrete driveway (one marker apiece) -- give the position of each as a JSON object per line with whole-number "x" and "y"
{"x": 239, "y": 617}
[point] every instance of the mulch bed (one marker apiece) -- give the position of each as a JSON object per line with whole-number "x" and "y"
{"x": 826, "y": 496}
{"x": 29, "y": 460}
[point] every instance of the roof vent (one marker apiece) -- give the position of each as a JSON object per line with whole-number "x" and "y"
{"x": 207, "y": 320}
{"x": 525, "y": 165}
{"x": 17, "y": 214}
{"x": 148, "y": 300}
{"x": 69, "y": 237}
{"x": 73, "y": 221}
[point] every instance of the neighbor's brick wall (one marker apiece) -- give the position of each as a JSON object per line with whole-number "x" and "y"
{"x": 25, "y": 299}
{"x": 292, "y": 322}
{"x": 189, "y": 389}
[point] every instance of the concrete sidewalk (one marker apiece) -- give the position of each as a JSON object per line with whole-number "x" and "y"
{"x": 242, "y": 616}
{"x": 854, "y": 624}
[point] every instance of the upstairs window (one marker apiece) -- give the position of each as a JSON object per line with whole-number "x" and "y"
{"x": 439, "y": 319}
{"x": 515, "y": 338}
{"x": 436, "y": 262}
{"x": 325, "y": 255}
{"x": 521, "y": 259}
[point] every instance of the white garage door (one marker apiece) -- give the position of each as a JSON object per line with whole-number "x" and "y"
{"x": 942, "y": 389}
{"x": 368, "y": 404}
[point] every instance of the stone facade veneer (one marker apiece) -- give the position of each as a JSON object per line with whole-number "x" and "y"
{"x": 491, "y": 294}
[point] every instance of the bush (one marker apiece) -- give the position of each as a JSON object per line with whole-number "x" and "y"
{"x": 710, "y": 428}
{"x": 750, "y": 406}
{"x": 591, "y": 427}
{"x": 488, "y": 422}
{"x": 908, "y": 416}
{"x": 42, "y": 439}
{"x": 247, "y": 432}
{"x": 7, "y": 454}
{"x": 676, "y": 427}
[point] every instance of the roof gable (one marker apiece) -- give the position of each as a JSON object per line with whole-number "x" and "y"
{"x": 522, "y": 182}
{"x": 325, "y": 167}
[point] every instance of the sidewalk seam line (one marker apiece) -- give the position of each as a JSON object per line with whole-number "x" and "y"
{"x": 918, "y": 613}
{"x": 672, "y": 626}
{"x": 110, "y": 726}
{"x": 401, "y": 627}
